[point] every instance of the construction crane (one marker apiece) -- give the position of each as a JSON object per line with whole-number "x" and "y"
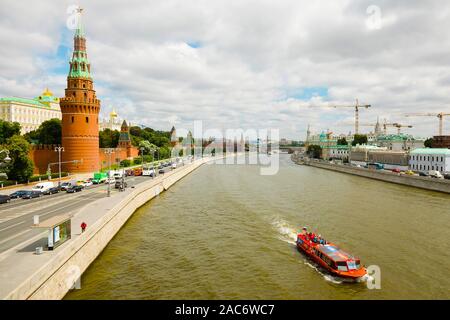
{"x": 440, "y": 116}
{"x": 357, "y": 106}
{"x": 385, "y": 125}
{"x": 400, "y": 126}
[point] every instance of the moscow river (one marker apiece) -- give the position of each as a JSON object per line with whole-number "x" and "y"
{"x": 227, "y": 232}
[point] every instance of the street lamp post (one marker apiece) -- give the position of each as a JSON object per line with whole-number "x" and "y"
{"x": 142, "y": 156}
{"x": 109, "y": 152}
{"x": 59, "y": 150}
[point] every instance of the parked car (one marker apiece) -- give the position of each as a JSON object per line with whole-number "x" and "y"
{"x": 423, "y": 174}
{"x": 396, "y": 170}
{"x": 29, "y": 194}
{"x": 174, "y": 165}
{"x": 4, "y": 198}
{"x": 66, "y": 185}
{"x": 74, "y": 189}
{"x": 161, "y": 171}
{"x": 447, "y": 176}
{"x": 409, "y": 173}
{"x": 43, "y": 186}
{"x": 435, "y": 174}
{"x": 53, "y": 190}
{"x": 17, "y": 194}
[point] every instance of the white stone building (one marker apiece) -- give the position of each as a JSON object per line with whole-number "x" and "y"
{"x": 425, "y": 159}
{"x": 30, "y": 113}
{"x": 113, "y": 122}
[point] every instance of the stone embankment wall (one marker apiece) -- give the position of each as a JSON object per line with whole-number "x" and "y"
{"x": 439, "y": 185}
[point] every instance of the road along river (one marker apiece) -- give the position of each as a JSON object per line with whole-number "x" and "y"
{"x": 227, "y": 232}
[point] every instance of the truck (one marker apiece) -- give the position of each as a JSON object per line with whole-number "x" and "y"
{"x": 99, "y": 177}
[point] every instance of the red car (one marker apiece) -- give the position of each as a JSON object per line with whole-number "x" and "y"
{"x": 396, "y": 170}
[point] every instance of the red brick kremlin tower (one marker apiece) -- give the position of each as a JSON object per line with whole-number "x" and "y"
{"x": 80, "y": 108}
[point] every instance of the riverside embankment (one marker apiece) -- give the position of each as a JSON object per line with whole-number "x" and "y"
{"x": 412, "y": 181}
{"x": 24, "y": 275}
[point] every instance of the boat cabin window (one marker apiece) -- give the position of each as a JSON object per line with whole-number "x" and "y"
{"x": 351, "y": 265}
{"x": 341, "y": 265}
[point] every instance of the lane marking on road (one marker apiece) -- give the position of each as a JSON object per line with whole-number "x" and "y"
{"x": 11, "y": 226}
{"x": 68, "y": 205}
{"x": 15, "y": 236}
{"x": 31, "y": 207}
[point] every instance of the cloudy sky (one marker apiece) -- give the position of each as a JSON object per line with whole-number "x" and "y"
{"x": 241, "y": 64}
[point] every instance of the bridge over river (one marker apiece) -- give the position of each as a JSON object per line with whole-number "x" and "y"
{"x": 226, "y": 232}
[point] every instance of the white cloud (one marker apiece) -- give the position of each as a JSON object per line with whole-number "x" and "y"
{"x": 249, "y": 54}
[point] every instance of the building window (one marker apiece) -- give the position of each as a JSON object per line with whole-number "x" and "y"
{"x": 87, "y": 119}
{"x": 73, "y": 119}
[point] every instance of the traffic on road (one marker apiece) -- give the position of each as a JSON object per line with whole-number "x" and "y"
{"x": 115, "y": 177}
{"x": 18, "y": 208}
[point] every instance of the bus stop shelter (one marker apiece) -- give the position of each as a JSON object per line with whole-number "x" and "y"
{"x": 59, "y": 230}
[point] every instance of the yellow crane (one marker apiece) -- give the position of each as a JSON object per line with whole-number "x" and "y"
{"x": 400, "y": 126}
{"x": 440, "y": 116}
{"x": 356, "y": 106}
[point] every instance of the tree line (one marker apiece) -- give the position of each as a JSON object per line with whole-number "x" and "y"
{"x": 20, "y": 168}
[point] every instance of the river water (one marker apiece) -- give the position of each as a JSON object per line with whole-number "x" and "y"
{"x": 227, "y": 232}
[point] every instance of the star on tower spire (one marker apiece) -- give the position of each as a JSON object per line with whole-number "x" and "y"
{"x": 79, "y": 32}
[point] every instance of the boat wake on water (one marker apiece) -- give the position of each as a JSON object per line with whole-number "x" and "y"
{"x": 289, "y": 234}
{"x": 285, "y": 232}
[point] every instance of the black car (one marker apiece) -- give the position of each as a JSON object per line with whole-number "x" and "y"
{"x": 73, "y": 189}
{"x": 447, "y": 176}
{"x": 52, "y": 190}
{"x": 162, "y": 171}
{"x": 17, "y": 194}
{"x": 31, "y": 194}
{"x": 4, "y": 198}
{"x": 423, "y": 174}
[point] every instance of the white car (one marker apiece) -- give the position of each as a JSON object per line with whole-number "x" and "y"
{"x": 174, "y": 165}
{"x": 87, "y": 183}
{"x": 435, "y": 174}
{"x": 110, "y": 180}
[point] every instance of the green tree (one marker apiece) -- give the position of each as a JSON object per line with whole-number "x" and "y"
{"x": 428, "y": 143}
{"x": 342, "y": 142}
{"x": 8, "y": 129}
{"x": 108, "y": 138}
{"x": 21, "y": 167}
{"x": 359, "y": 139}
{"x": 49, "y": 132}
{"x": 149, "y": 148}
{"x": 314, "y": 151}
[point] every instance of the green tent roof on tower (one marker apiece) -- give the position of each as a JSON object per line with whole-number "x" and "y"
{"x": 79, "y": 64}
